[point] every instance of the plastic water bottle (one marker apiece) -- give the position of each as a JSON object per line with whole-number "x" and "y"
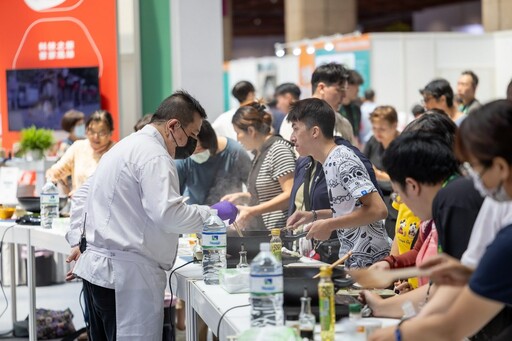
{"x": 266, "y": 289}
{"x": 214, "y": 248}
{"x": 49, "y": 200}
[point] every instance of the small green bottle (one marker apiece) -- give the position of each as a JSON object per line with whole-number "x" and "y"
{"x": 326, "y": 304}
{"x": 276, "y": 244}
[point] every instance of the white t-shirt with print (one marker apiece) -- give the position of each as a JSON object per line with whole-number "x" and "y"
{"x": 347, "y": 181}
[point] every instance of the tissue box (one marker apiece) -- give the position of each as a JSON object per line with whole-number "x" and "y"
{"x": 235, "y": 281}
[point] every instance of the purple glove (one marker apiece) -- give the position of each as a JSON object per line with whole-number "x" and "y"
{"x": 226, "y": 211}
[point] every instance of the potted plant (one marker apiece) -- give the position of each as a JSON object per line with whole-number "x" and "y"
{"x": 35, "y": 141}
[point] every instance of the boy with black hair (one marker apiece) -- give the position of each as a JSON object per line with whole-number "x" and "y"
{"x": 329, "y": 82}
{"x": 356, "y": 205}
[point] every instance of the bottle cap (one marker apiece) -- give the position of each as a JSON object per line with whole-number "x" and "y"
{"x": 275, "y": 232}
{"x": 325, "y": 271}
{"x": 354, "y": 308}
{"x": 264, "y": 246}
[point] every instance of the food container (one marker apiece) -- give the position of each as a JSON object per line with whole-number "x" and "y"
{"x": 6, "y": 211}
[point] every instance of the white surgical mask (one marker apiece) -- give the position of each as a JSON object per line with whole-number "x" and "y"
{"x": 79, "y": 131}
{"x": 498, "y": 194}
{"x": 201, "y": 157}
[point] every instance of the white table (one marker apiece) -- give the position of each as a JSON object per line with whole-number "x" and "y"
{"x": 211, "y": 301}
{"x": 31, "y": 236}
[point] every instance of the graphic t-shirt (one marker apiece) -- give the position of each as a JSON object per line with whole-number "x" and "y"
{"x": 407, "y": 226}
{"x": 347, "y": 181}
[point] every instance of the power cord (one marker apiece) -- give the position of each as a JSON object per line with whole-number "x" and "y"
{"x": 170, "y": 284}
{"x": 2, "y": 283}
{"x": 1, "y": 260}
{"x": 224, "y": 314}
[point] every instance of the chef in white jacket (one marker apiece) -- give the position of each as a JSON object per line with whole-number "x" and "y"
{"x": 134, "y": 215}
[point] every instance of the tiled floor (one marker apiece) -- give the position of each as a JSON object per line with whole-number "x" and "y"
{"x": 58, "y": 297}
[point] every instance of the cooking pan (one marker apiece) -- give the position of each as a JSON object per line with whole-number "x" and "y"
{"x": 33, "y": 204}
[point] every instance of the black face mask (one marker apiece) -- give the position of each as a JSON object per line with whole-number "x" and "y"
{"x": 187, "y": 150}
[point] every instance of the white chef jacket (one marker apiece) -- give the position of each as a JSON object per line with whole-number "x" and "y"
{"x": 134, "y": 217}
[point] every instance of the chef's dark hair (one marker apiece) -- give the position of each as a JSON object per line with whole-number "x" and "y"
{"x": 181, "y": 106}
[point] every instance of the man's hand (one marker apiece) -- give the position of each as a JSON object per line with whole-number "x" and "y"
{"x": 298, "y": 219}
{"x": 401, "y": 287}
{"x": 73, "y": 256}
{"x": 236, "y": 198}
{"x": 446, "y": 270}
{"x": 245, "y": 215}
{"x": 372, "y": 300}
{"x": 318, "y": 230}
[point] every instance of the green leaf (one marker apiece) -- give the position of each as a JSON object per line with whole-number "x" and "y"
{"x": 36, "y": 139}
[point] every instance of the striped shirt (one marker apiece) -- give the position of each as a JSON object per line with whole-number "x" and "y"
{"x": 279, "y": 161}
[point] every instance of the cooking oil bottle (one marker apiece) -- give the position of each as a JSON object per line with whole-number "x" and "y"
{"x": 276, "y": 244}
{"x": 326, "y": 304}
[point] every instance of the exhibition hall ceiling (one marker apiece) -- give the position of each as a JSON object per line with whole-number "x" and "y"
{"x": 266, "y": 17}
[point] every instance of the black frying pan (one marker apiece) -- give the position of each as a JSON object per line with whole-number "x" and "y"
{"x": 33, "y": 204}
{"x": 296, "y": 278}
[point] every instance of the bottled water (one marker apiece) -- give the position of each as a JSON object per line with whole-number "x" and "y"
{"x": 49, "y": 200}
{"x": 214, "y": 248}
{"x": 266, "y": 289}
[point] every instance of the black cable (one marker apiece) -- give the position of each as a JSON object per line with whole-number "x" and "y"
{"x": 170, "y": 288}
{"x": 224, "y": 314}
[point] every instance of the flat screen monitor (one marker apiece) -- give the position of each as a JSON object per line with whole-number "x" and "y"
{"x": 40, "y": 97}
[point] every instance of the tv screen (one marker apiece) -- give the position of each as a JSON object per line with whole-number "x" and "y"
{"x": 40, "y": 97}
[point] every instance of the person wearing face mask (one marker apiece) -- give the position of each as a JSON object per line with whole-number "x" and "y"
{"x": 73, "y": 123}
{"x": 132, "y": 214}
{"x": 218, "y": 166}
{"x": 82, "y": 157}
{"x": 483, "y": 142}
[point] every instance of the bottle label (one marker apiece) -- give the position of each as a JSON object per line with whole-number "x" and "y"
{"x": 214, "y": 240}
{"x": 326, "y": 306}
{"x": 275, "y": 248}
{"x": 266, "y": 284}
{"x": 49, "y": 199}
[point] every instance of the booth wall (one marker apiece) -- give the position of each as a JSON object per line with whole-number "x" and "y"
{"x": 197, "y": 51}
{"x": 401, "y": 64}
{"x": 155, "y": 51}
{"x": 254, "y": 69}
{"x": 130, "y": 89}
{"x": 502, "y": 58}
